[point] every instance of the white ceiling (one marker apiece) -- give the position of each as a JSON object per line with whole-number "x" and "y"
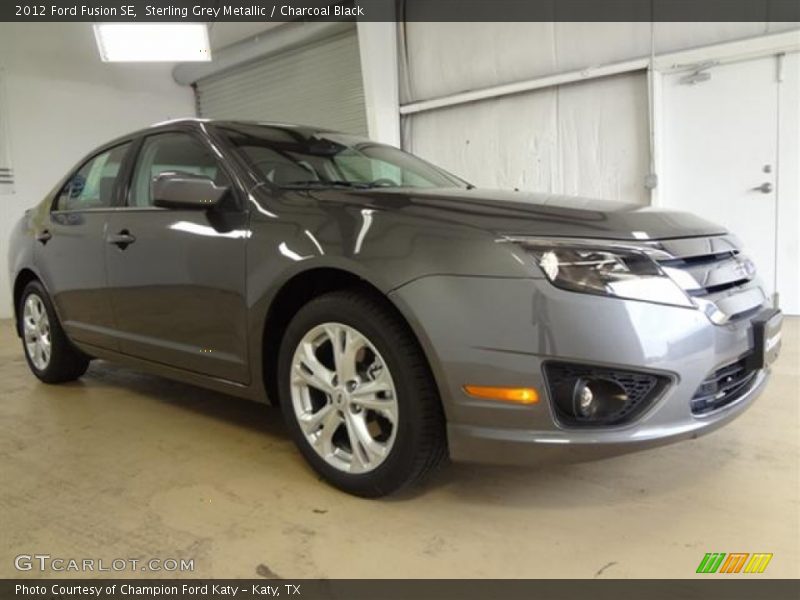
{"x": 223, "y": 34}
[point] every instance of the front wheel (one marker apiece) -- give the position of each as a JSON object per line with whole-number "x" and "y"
{"x": 50, "y": 354}
{"x": 358, "y": 395}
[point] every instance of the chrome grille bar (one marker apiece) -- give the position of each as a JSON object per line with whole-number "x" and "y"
{"x": 714, "y": 275}
{"x": 720, "y": 279}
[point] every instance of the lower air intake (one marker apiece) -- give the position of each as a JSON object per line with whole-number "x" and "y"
{"x": 589, "y": 396}
{"x": 723, "y": 387}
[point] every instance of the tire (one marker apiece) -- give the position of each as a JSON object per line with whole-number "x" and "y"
{"x": 38, "y": 320}
{"x": 406, "y": 435}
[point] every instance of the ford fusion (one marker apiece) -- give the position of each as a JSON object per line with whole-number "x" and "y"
{"x": 398, "y": 315}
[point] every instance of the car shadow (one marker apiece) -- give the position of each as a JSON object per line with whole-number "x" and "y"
{"x": 614, "y": 481}
{"x": 240, "y": 412}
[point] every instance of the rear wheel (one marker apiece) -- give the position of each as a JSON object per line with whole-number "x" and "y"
{"x": 50, "y": 355}
{"x": 358, "y": 395}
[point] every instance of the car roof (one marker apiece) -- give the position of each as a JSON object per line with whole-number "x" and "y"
{"x": 197, "y": 123}
{"x": 239, "y": 122}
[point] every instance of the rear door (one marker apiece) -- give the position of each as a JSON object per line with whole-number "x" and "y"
{"x": 177, "y": 276}
{"x": 70, "y": 248}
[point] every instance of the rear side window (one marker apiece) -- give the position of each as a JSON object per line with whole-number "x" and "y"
{"x": 171, "y": 152}
{"x": 92, "y": 186}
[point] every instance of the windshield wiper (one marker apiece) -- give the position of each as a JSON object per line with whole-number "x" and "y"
{"x": 317, "y": 183}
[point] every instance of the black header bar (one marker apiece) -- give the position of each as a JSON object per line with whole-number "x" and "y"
{"x": 394, "y": 10}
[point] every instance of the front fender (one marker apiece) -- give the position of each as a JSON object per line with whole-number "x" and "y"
{"x": 293, "y": 233}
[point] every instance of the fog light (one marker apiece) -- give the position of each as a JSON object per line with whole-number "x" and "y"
{"x": 598, "y": 399}
{"x": 586, "y": 405}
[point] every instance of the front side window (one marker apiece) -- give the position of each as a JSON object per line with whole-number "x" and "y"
{"x": 293, "y": 159}
{"x": 92, "y": 186}
{"x": 174, "y": 153}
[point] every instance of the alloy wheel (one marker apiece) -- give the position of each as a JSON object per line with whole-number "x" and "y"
{"x": 36, "y": 331}
{"x": 344, "y": 398}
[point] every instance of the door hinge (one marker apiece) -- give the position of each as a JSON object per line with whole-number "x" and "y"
{"x": 699, "y": 72}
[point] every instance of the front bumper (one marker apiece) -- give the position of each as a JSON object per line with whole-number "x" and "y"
{"x": 498, "y": 332}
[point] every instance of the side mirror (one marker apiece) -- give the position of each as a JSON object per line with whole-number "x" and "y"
{"x": 186, "y": 191}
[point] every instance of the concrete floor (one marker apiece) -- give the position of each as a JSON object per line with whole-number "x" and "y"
{"x": 124, "y": 465}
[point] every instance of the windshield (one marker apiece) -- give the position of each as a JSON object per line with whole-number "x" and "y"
{"x": 298, "y": 158}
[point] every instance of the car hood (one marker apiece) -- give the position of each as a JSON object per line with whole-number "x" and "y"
{"x": 525, "y": 214}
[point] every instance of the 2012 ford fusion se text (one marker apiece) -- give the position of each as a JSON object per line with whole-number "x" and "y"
{"x": 397, "y": 314}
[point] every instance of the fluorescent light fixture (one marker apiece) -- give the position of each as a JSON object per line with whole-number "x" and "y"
{"x": 152, "y": 42}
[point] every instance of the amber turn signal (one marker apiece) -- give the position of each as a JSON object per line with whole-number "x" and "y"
{"x": 504, "y": 394}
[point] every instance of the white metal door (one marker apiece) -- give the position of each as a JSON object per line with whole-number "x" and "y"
{"x": 720, "y": 152}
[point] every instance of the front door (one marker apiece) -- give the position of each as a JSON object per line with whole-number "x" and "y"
{"x": 721, "y": 157}
{"x": 177, "y": 276}
{"x": 69, "y": 251}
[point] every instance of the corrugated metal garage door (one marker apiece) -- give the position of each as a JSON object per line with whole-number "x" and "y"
{"x": 318, "y": 84}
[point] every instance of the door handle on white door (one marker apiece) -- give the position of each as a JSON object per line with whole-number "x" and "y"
{"x": 764, "y": 188}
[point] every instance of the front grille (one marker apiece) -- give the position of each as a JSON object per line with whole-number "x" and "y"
{"x": 640, "y": 388}
{"x": 714, "y": 273}
{"x": 703, "y": 259}
{"x": 723, "y": 387}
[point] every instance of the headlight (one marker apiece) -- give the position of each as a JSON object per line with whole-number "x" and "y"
{"x": 609, "y": 272}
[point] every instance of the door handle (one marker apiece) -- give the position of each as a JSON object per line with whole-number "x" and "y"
{"x": 764, "y": 188}
{"x": 122, "y": 240}
{"x": 43, "y": 236}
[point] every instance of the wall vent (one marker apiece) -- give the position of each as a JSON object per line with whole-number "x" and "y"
{"x": 6, "y": 170}
{"x": 6, "y": 176}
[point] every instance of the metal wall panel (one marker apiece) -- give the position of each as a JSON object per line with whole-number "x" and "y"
{"x": 319, "y": 84}
{"x": 588, "y": 139}
{"x": 447, "y": 58}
